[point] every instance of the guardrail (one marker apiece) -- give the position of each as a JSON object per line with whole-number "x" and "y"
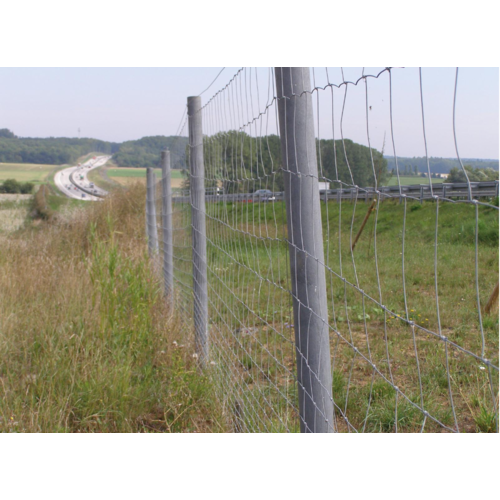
{"x": 420, "y": 192}
{"x": 81, "y": 188}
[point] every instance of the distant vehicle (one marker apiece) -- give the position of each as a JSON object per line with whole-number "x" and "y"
{"x": 91, "y": 185}
{"x": 264, "y": 195}
{"x": 83, "y": 195}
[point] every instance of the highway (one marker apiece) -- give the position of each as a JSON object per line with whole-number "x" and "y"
{"x": 73, "y": 181}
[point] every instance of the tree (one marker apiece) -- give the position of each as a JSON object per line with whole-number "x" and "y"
{"x": 474, "y": 174}
{"x": 351, "y": 163}
{"x": 5, "y": 132}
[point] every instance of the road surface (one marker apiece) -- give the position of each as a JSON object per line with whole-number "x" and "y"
{"x": 73, "y": 181}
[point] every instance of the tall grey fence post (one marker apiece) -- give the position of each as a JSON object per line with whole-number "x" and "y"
{"x": 152, "y": 230}
{"x": 166, "y": 223}
{"x": 305, "y": 236}
{"x": 197, "y": 188}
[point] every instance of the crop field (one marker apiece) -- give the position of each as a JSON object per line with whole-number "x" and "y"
{"x": 251, "y": 315}
{"x": 126, "y": 176}
{"x": 26, "y": 172}
{"x": 410, "y": 181}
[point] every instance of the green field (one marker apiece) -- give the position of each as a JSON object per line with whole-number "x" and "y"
{"x": 26, "y": 172}
{"x": 139, "y": 172}
{"x": 249, "y": 279}
{"x": 127, "y": 176}
{"x": 410, "y": 181}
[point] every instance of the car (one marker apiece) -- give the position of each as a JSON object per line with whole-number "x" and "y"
{"x": 83, "y": 195}
{"x": 263, "y": 195}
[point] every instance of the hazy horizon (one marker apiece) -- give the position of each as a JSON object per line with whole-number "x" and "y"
{"x": 121, "y": 104}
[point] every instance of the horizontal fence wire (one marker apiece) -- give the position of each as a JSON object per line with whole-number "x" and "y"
{"x": 408, "y": 270}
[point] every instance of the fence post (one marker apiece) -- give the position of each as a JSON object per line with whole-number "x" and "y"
{"x": 166, "y": 224}
{"x": 197, "y": 185}
{"x": 305, "y": 243}
{"x": 152, "y": 230}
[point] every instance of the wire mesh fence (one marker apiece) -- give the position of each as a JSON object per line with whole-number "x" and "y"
{"x": 321, "y": 299}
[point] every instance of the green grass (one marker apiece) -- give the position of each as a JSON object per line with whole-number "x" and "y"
{"x": 139, "y": 172}
{"x": 26, "y": 172}
{"x": 248, "y": 287}
{"x": 410, "y": 180}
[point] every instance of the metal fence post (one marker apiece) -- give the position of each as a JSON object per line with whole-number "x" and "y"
{"x": 166, "y": 223}
{"x": 152, "y": 230}
{"x": 197, "y": 185}
{"x": 305, "y": 237}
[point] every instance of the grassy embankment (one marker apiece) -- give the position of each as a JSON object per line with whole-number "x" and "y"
{"x": 411, "y": 180}
{"x": 127, "y": 176}
{"x": 87, "y": 343}
{"x": 248, "y": 283}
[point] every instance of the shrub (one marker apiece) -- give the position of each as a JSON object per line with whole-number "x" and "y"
{"x": 11, "y": 186}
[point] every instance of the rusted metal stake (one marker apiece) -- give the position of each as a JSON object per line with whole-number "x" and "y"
{"x": 370, "y": 210}
{"x": 493, "y": 300}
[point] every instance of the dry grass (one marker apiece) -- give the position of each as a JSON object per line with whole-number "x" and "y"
{"x": 13, "y": 211}
{"x": 86, "y": 339}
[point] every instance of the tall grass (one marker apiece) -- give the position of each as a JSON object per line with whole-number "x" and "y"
{"x": 87, "y": 343}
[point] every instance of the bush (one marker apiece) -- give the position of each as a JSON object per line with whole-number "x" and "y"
{"x": 11, "y": 186}
{"x": 27, "y": 187}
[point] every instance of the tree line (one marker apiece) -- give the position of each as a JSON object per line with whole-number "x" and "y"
{"x": 474, "y": 174}
{"x": 49, "y": 151}
{"x": 144, "y": 152}
{"x": 237, "y": 161}
{"x": 240, "y": 163}
{"x": 436, "y": 165}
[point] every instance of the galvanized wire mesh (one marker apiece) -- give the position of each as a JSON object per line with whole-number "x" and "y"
{"x": 409, "y": 269}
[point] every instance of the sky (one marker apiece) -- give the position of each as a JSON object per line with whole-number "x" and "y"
{"x": 119, "y": 104}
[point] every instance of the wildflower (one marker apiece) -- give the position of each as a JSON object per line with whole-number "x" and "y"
{"x": 482, "y": 368}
